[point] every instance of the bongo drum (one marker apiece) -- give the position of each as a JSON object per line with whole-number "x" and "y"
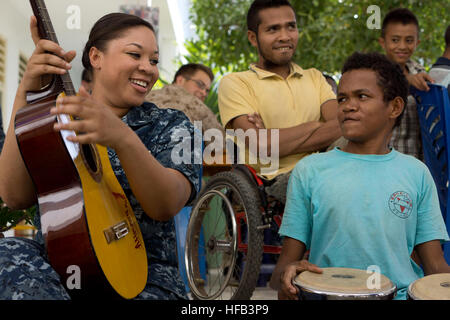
{"x": 343, "y": 284}
{"x": 432, "y": 287}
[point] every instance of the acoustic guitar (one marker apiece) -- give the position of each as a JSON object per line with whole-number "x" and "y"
{"x": 92, "y": 237}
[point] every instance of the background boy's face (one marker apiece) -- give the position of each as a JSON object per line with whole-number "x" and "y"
{"x": 362, "y": 112}
{"x": 400, "y": 41}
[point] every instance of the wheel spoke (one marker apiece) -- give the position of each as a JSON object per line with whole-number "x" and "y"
{"x": 230, "y": 272}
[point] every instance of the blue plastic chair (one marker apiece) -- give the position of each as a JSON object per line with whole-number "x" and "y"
{"x": 181, "y": 224}
{"x": 434, "y": 114}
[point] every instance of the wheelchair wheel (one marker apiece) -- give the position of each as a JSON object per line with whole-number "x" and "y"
{"x": 224, "y": 245}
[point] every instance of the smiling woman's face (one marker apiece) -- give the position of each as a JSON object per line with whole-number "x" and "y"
{"x": 127, "y": 69}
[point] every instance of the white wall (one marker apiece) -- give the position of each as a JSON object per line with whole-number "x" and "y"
{"x": 14, "y": 27}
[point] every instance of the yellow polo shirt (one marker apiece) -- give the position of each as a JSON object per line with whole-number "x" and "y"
{"x": 281, "y": 103}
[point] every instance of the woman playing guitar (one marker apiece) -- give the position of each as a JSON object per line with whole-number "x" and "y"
{"x": 122, "y": 54}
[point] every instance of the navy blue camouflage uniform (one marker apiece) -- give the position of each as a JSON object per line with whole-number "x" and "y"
{"x": 24, "y": 269}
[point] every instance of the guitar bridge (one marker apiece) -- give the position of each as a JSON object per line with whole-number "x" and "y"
{"x": 116, "y": 232}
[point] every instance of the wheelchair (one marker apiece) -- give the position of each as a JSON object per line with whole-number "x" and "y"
{"x": 230, "y": 224}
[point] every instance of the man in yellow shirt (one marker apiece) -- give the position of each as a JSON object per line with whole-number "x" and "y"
{"x": 278, "y": 94}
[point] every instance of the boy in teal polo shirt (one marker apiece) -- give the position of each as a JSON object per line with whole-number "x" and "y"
{"x": 364, "y": 204}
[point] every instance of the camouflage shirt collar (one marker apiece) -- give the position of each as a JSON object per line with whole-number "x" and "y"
{"x": 142, "y": 115}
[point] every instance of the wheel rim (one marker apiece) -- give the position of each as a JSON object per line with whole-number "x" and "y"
{"x": 219, "y": 245}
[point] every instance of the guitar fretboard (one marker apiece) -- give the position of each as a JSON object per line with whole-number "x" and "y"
{"x": 47, "y": 32}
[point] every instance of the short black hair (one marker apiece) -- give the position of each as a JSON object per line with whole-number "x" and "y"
{"x": 399, "y": 15}
{"x": 191, "y": 68}
{"x": 447, "y": 37}
{"x": 253, "y": 19}
{"x": 390, "y": 77}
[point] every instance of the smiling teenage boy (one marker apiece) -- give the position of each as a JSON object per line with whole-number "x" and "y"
{"x": 399, "y": 39}
{"x": 365, "y": 204}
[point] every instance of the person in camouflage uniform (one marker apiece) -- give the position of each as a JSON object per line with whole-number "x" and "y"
{"x": 187, "y": 93}
{"x": 25, "y": 272}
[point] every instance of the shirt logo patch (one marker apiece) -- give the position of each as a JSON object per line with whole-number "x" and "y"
{"x": 401, "y": 204}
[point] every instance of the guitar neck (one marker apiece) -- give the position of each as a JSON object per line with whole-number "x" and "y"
{"x": 47, "y": 32}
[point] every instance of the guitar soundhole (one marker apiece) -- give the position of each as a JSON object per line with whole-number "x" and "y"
{"x": 91, "y": 161}
{"x": 90, "y": 158}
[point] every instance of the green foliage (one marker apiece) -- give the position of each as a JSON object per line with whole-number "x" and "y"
{"x": 159, "y": 84}
{"x": 9, "y": 218}
{"x": 329, "y": 31}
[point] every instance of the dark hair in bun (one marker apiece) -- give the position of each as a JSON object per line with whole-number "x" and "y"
{"x": 107, "y": 28}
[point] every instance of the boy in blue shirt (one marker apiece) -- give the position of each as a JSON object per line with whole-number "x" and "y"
{"x": 364, "y": 204}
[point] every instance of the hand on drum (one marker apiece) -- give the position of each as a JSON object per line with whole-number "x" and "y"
{"x": 288, "y": 291}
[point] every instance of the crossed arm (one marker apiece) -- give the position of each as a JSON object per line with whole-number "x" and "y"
{"x": 307, "y": 137}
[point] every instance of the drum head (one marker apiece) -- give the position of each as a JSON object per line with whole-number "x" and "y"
{"x": 432, "y": 287}
{"x": 345, "y": 282}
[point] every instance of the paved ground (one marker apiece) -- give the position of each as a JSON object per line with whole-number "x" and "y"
{"x": 260, "y": 293}
{"x": 264, "y": 294}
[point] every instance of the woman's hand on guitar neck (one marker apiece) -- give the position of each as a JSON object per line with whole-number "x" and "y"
{"x": 48, "y": 58}
{"x": 16, "y": 186}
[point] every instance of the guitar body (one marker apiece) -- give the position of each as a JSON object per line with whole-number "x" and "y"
{"x": 92, "y": 237}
